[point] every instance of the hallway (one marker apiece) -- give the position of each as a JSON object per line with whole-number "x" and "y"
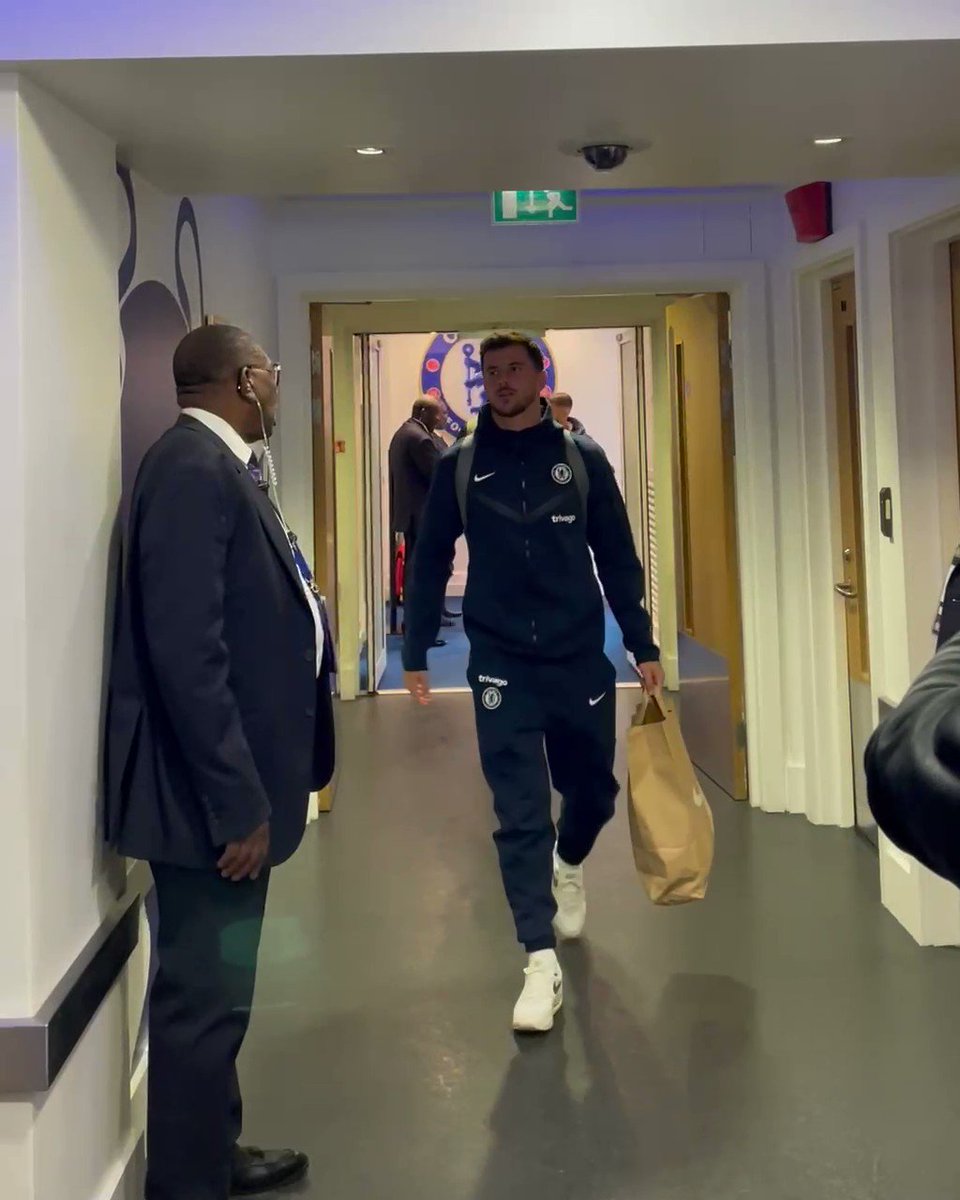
{"x": 780, "y": 1041}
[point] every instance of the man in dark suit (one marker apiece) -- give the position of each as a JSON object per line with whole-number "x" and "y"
{"x": 415, "y": 450}
{"x": 220, "y": 724}
{"x": 414, "y": 453}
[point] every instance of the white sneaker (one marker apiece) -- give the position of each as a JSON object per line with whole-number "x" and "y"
{"x": 542, "y": 994}
{"x": 571, "y": 898}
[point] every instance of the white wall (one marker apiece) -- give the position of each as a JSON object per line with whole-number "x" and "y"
{"x": 60, "y": 243}
{"x": 366, "y": 235}
{"x": 68, "y": 447}
{"x": 15, "y": 980}
{"x": 588, "y": 367}
{"x": 177, "y": 28}
{"x": 238, "y": 271}
{"x": 58, "y": 308}
{"x": 419, "y": 247}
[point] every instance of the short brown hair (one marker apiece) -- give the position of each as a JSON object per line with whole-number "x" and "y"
{"x": 503, "y": 341}
{"x": 564, "y": 399}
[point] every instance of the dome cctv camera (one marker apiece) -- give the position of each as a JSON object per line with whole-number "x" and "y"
{"x": 606, "y": 156}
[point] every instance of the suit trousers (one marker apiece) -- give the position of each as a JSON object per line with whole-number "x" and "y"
{"x": 206, "y": 945}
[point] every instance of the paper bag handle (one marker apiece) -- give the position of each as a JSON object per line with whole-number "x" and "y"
{"x": 650, "y": 711}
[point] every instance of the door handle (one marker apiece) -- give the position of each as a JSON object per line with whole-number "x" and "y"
{"x": 846, "y": 590}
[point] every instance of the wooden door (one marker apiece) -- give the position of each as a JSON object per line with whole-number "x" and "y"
{"x": 851, "y": 585}
{"x": 708, "y": 574}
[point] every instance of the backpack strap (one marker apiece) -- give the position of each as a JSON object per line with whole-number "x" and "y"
{"x": 464, "y": 466}
{"x": 579, "y": 468}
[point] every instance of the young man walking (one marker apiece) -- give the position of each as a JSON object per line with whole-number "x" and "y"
{"x": 534, "y": 501}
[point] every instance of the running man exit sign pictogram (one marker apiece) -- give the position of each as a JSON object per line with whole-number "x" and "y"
{"x": 535, "y": 208}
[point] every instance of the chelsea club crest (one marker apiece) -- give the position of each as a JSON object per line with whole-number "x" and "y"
{"x": 450, "y": 372}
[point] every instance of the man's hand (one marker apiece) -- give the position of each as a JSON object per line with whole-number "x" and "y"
{"x": 652, "y": 677}
{"x": 246, "y": 859}
{"x": 418, "y": 685}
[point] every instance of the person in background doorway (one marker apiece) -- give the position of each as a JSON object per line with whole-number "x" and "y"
{"x": 561, "y": 405}
{"x": 219, "y": 726}
{"x": 534, "y": 508}
{"x": 415, "y": 450}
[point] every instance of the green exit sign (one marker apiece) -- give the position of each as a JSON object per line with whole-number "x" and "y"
{"x": 535, "y": 208}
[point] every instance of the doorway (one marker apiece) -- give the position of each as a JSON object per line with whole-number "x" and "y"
{"x": 611, "y": 400}
{"x": 710, "y": 644}
{"x": 849, "y": 554}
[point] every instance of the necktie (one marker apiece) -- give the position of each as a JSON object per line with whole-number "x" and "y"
{"x": 256, "y": 474}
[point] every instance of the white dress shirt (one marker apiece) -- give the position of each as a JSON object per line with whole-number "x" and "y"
{"x": 235, "y": 443}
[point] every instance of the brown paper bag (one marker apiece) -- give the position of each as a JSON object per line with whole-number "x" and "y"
{"x": 671, "y": 825}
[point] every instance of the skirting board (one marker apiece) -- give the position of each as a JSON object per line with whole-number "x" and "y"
{"x": 127, "y": 1178}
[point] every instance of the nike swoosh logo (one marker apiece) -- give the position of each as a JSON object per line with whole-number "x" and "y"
{"x": 594, "y": 703}
{"x": 481, "y": 478}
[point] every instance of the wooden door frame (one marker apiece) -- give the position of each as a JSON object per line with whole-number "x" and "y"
{"x": 849, "y": 443}
{"x": 632, "y": 412}
{"x": 324, "y": 525}
{"x": 826, "y": 716}
{"x": 734, "y": 633}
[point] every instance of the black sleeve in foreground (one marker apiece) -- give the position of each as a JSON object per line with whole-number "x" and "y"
{"x": 619, "y": 568}
{"x": 913, "y": 768}
{"x": 181, "y": 559}
{"x": 428, "y": 574}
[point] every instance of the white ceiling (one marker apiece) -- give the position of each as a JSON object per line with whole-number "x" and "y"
{"x": 714, "y": 117}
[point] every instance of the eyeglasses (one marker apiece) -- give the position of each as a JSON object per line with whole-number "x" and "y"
{"x": 274, "y": 371}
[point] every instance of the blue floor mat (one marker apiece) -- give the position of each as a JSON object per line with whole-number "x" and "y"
{"x": 448, "y": 664}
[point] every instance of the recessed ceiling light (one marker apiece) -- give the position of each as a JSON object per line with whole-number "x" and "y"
{"x": 828, "y": 141}
{"x": 370, "y": 151}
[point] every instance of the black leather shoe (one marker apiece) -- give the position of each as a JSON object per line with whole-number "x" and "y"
{"x": 257, "y": 1171}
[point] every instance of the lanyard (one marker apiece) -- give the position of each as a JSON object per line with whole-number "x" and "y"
{"x": 305, "y": 573}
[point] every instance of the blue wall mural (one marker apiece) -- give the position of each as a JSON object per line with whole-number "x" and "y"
{"x": 152, "y": 322}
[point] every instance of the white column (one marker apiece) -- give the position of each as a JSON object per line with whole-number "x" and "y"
{"x": 59, "y": 492}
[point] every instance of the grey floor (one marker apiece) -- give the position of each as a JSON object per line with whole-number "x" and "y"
{"x": 784, "y": 1040}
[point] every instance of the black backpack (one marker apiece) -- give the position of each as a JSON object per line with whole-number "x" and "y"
{"x": 464, "y": 471}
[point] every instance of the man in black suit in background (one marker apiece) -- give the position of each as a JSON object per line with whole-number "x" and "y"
{"x": 414, "y": 453}
{"x": 220, "y": 724}
{"x": 415, "y": 450}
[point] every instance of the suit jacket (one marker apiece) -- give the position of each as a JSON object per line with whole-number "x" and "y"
{"x": 216, "y": 718}
{"x": 414, "y": 454}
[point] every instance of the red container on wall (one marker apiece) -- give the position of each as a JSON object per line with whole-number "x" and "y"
{"x": 811, "y": 210}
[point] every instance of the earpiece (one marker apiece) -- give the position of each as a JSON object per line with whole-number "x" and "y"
{"x": 247, "y": 392}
